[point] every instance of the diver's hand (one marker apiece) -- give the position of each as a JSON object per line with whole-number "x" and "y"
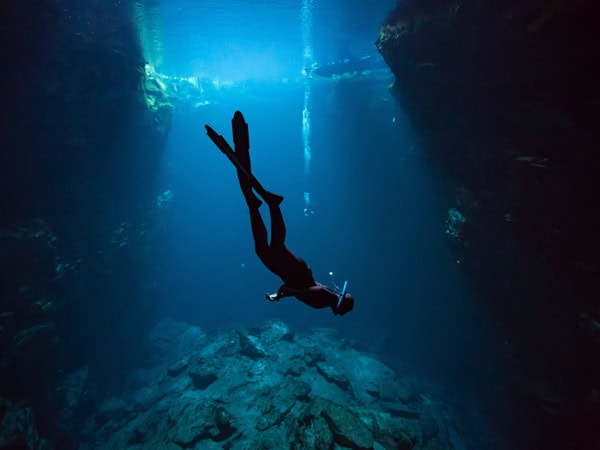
{"x": 272, "y": 297}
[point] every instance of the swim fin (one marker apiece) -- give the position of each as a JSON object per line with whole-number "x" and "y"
{"x": 241, "y": 140}
{"x": 228, "y": 151}
{"x": 241, "y": 143}
{"x": 224, "y": 146}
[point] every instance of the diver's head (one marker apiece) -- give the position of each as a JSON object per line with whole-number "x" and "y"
{"x": 346, "y": 304}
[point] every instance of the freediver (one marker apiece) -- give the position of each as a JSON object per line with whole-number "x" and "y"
{"x": 294, "y": 272}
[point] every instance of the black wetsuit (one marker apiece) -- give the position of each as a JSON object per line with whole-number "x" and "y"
{"x": 292, "y": 270}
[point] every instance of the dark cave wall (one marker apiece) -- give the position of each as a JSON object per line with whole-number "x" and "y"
{"x": 504, "y": 96}
{"x": 78, "y": 205}
{"x": 72, "y": 107}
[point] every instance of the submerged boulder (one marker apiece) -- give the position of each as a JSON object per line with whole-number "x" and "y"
{"x": 197, "y": 422}
{"x": 333, "y": 375}
{"x": 202, "y": 375}
{"x": 18, "y": 430}
{"x": 277, "y": 402}
{"x": 345, "y": 425}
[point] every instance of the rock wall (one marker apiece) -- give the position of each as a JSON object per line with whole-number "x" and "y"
{"x": 504, "y": 97}
{"x": 82, "y": 130}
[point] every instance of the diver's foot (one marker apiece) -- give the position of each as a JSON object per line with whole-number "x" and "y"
{"x": 252, "y": 200}
{"x": 272, "y": 199}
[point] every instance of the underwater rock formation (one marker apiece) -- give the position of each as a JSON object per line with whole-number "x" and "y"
{"x": 159, "y": 108}
{"x": 504, "y": 95}
{"x": 34, "y": 276}
{"x": 83, "y": 128}
{"x": 256, "y": 402}
{"x": 18, "y": 429}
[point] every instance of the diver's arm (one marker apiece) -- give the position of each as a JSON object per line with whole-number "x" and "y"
{"x": 284, "y": 291}
{"x": 317, "y": 296}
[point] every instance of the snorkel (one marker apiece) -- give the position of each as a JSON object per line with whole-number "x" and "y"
{"x": 341, "y": 297}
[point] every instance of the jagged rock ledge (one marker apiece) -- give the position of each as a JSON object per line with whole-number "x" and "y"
{"x": 265, "y": 388}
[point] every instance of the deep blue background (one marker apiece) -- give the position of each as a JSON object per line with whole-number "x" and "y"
{"x": 379, "y": 223}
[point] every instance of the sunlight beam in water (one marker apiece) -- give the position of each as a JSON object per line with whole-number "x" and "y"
{"x": 147, "y": 16}
{"x": 307, "y": 59}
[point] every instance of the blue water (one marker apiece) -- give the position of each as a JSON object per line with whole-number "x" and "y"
{"x": 379, "y": 203}
{"x": 240, "y": 39}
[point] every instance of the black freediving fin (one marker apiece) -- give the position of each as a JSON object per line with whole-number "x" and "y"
{"x": 228, "y": 151}
{"x": 241, "y": 139}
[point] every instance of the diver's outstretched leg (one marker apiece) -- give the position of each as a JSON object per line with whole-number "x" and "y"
{"x": 277, "y": 225}
{"x": 259, "y": 234}
{"x": 241, "y": 143}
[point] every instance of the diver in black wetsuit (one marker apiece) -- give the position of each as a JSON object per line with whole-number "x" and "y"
{"x": 294, "y": 272}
